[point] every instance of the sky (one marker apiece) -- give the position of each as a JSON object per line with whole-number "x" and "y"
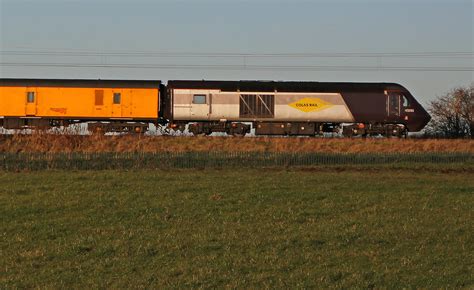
{"x": 355, "y": 41}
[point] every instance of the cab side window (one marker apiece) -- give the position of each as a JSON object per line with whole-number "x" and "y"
{"x": 405, "y": 101}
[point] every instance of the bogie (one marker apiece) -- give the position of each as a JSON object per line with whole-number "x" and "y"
{"x": 207, "y": 128}
{"x": 379, "y": 129}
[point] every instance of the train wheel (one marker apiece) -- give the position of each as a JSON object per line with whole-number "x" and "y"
{"x": 98, "y": 131}
{"x": 404, "y": 134}
{"x": 138, "y": 130}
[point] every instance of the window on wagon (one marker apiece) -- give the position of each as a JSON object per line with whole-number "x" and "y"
{"x": 30, "y": 97}
{"x": 117, "y": 98}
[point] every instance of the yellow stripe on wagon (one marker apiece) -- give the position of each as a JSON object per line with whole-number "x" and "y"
{"x": 310, "y": 105}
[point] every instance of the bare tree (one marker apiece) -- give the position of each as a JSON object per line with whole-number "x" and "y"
{"x": 452, "y": 114}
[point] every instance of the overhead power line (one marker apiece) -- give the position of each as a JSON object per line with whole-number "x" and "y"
{"x": 246, "y": 67}
{"x": 54, "y": 53}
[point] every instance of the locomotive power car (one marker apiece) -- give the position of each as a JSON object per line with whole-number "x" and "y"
{"x": 293, "y": 108}
{"x": 204, "y": 107}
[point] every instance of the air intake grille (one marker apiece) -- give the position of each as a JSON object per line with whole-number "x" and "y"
{"x": 257, "y": 106}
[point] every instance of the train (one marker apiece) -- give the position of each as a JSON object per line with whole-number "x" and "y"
{"x": 203, "y": 107}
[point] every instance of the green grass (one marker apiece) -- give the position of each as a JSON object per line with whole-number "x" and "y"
{"x": 243, "y": 229}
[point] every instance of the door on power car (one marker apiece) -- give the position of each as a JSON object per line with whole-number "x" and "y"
{"x": 393, "y": 104}
{"x": 200, "y": 107}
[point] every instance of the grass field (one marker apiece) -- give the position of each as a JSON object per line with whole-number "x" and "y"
{"x": 131, "y": 143}
{"x": 243, "y": 229}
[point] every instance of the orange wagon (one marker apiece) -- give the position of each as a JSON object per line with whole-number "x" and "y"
{"x": 114, "y": 105}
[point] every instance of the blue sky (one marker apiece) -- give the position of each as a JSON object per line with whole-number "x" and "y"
{"x": 248, "y": 27}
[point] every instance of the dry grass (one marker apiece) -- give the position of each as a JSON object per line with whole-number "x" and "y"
{"x": 98, "y": 143}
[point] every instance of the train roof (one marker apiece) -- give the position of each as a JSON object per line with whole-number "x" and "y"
{"x": 89, "y": 83}
{"x": 266, "y": 86}
{"x": 282, "y": 86}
